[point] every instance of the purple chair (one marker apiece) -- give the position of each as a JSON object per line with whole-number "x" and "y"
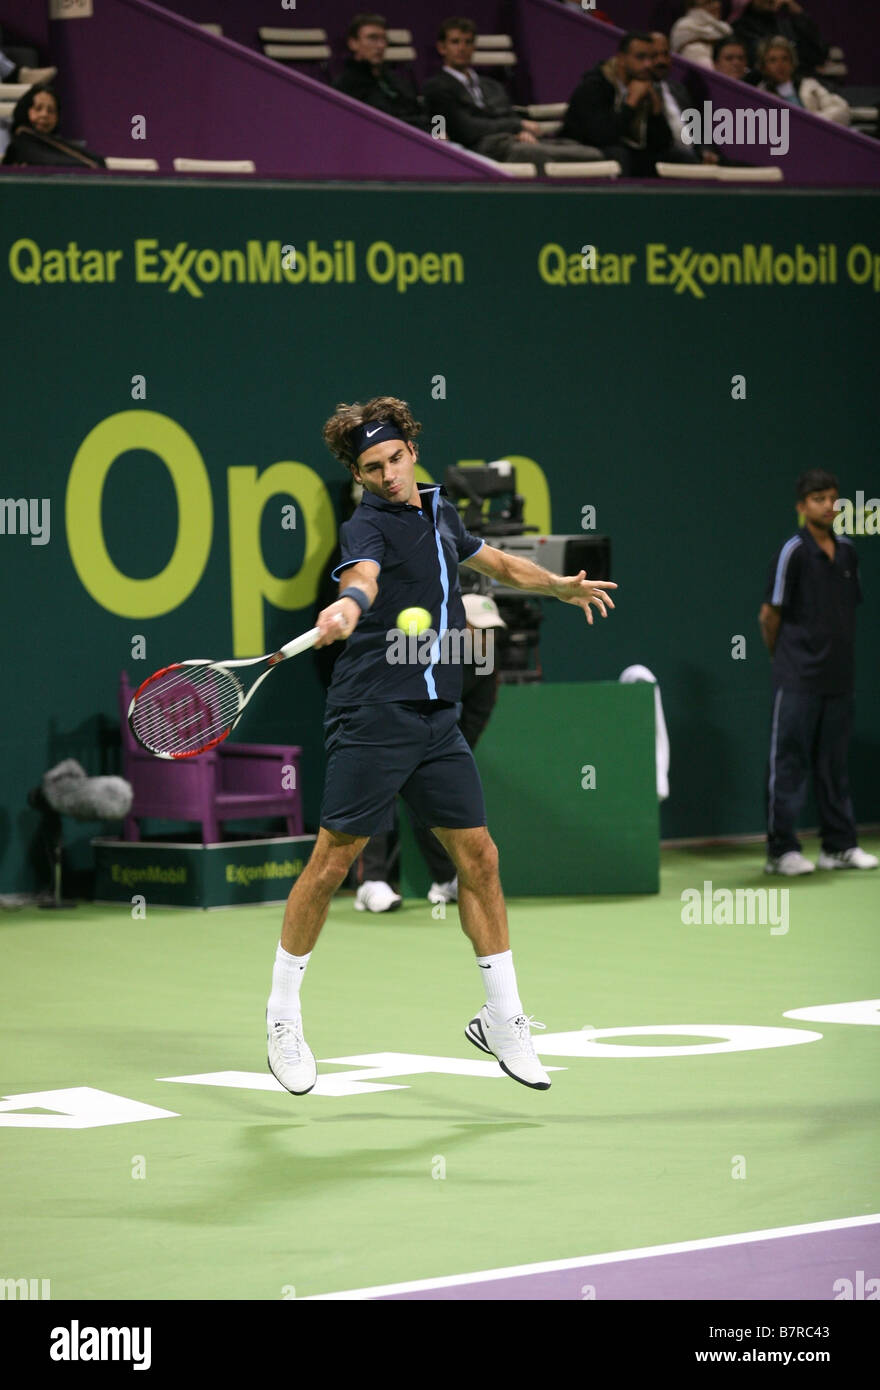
{"x": 235, "y": 781}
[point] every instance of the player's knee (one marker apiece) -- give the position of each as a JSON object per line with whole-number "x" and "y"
{"x": 479, "y": 862}
{"x": 331, "y": 870}
{"x": 331, "y": 861}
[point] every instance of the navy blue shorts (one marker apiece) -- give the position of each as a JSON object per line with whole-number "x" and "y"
{"x": 411, "y": 747}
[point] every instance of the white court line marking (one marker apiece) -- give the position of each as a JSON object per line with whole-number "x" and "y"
{"x": 610, "y": 1257}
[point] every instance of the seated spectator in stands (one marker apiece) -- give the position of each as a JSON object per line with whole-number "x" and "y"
{"x": 618, "y": 107}
{"x": 676, "y": 98}
{"x": 694, "y": 34}
{"x": 777, "y": 63}
{"x": 9, "y": 72}
{"x": 477, "y": 110}
{"x": 35, "y": 136}
{"x": 367, "y": 78}
{"x": 769, "y": 19}
{"x": 729, "y": 57}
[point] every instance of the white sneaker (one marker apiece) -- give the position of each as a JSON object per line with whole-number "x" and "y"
{"x": 444, "y": 892}
{"x": 375, "y": 896}
{"x": 854, "y": 858}
{"x": 289, "y": 1056}
{"x": 789, "y": 864}
{"x": 511, "y": 1042}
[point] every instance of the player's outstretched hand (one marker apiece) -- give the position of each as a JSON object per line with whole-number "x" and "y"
{"x": 336, "y": 621}
{"x": 582, "y": 591}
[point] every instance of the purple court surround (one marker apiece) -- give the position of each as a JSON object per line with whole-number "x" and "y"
{"x": 801, "y": 1266}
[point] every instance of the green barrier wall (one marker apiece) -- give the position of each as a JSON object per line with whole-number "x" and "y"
{"x": 569, "y": 776}
{"x": 166, "y": 378}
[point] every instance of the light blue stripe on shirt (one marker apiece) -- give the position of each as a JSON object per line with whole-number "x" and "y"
{"x": 782, "y": 568}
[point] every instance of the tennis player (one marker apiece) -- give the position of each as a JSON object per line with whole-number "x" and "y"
{"x": 392, "y": 727}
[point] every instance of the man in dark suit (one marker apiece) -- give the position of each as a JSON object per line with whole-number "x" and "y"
{"x": 618, "y": 107}
{"x": 477, "y": 110}
{"x": 676, "y": 99}
{"x": 366, "y": 77}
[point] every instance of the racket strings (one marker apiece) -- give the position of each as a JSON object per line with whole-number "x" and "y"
{"x": 181, "y": 711}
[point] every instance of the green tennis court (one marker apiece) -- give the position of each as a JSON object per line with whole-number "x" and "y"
{"x": 148, "y": 1153}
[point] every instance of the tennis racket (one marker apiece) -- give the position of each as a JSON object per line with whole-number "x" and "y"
{"x": 186, "y": 709}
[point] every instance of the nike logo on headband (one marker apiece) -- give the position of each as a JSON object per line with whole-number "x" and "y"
{"x": 370, "y": 433}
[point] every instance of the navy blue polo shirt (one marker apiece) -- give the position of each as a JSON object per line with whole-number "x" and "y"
{"x": 815, "y": 649}
{"x": 418, "y": 551}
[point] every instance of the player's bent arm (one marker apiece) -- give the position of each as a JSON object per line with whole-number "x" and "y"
{"x": 363, "y": 576}
{"x": 770, "y": 619}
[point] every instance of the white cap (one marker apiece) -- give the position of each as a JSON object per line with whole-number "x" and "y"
{"x": 482, "y": 611}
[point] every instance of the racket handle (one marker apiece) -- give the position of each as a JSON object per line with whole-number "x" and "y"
{"x": 299, "y": 644}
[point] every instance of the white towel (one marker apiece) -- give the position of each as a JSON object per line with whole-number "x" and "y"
{"x": 641, "y": 673}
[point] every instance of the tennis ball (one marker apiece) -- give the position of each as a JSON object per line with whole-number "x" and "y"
{"x": 412, "y": 621}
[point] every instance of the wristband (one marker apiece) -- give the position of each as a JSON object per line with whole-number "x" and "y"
{"x": 359, "y": 597}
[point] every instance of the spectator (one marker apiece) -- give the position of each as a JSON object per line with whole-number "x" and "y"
{"x": 808, "y": 623}
{"x": 676, "y": 99}
{"x": 478, "y": 695}
{"x": 477, "y": 110}
{"x": 12, "y": 73}
{"x": 730, "y": 58}
{"x": 35, "y": 134}
{"x": 769, "y": 19}
{"x": 776, "y": 62}
{"x": 618, "y": 107}
{"x": 367, "y": 78}
{"x": 695, "y": 33}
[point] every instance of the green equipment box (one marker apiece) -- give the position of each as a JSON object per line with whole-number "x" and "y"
{"x": 194, "y": 875}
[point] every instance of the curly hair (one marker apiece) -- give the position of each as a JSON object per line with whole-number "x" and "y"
{"x": 345, "y": 418}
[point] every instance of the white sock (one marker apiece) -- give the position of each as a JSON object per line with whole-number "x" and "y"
{"x": 499, "y": 981}
{"x": 287, "y": 977}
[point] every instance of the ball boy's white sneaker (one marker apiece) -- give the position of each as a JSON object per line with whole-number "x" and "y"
{"x": 854, "y": 858}
{"x": 510, "y": 1041}
{"x": 789, "y": 864}
{"x": 444, "y": 892}
{"x": 376, "y": 896}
